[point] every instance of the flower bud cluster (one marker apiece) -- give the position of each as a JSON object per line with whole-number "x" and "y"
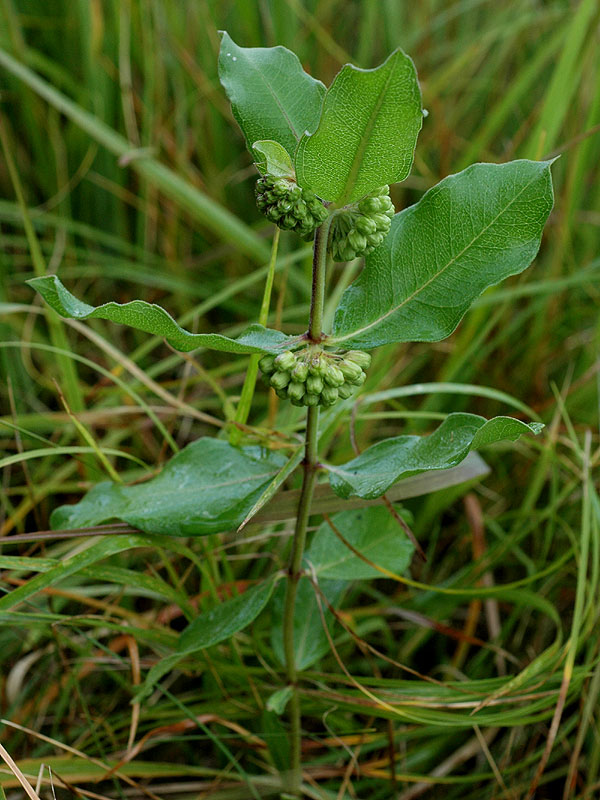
{"x": 289, "y": 206}
{"x": 313, "y": 377}
{"x": 358, "y": 229}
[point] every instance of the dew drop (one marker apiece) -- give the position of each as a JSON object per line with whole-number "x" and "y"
{"x": 234, "y": 58}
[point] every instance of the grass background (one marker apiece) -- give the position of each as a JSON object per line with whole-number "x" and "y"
{"x": 125, "y": 87}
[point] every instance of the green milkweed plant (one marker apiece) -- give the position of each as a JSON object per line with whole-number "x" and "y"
{"x": 326, "y": 158}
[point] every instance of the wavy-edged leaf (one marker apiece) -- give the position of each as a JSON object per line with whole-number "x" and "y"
{"x": 367, "y": 132}
{"x": 371, "y": 473}
{"x": 153, "y": 319}
{"x": 374, "y": 532}
{"x": 271, "y": 96}
{"x": 211, "y": 627}
{"x": 208, "y": 487}
{"x": 469, "y": 232}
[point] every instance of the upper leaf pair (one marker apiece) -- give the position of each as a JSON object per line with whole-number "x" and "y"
{"x": 345, "y": 141}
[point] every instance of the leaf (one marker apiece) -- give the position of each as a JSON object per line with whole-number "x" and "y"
{"x": 271, "y": 96}
{"x": 367, "y": 132}
{"x": 373, "y": 532}
{"x": 212, "y": 627}
{"x": 279, "y": 700}
{"x": 374, "y": 471}
{"x": 229, "y": 617}
{"x": 153, "y": 319}
{"x": 469, "y": 232}
{"x": 270, "y": 157}
{"x": 208, "y": 487}
{"x": 310, "y": 639}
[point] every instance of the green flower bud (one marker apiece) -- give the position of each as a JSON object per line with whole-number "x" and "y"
{"x": 300, "y": 372}
{"x": 369, "y": 205}
{"x": 279, "y": 380}
{"x": 311, "y": 399}
{"x": 359, "y": 380}
{"x": 329, "y": 395}
{"x": 366, "y": 225}
{"x": 357, "y": 241}
{"x": 295, "y": 390}
{"x": 282, "y": 393}
{"x": 383, "y": 223}
{"x": 346, "y": 390}
{"x": 289, "y": 206}
{"x": 316, "y": 365}
{"x": 349, "y": 369}
{"x": 359, "y": 228}
{"x": 314, "y": 384}
{"x": 285, "y": 361}
{"x": 358, "y": 357}
{"x": 333, "y": 376}
{"x": 267, "y": 364}
{"x": 297, "y": 402}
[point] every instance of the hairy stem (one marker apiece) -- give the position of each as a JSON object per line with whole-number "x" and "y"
{"x": 310, "y": 465}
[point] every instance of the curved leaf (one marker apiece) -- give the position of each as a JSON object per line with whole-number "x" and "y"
{"x": 371, "y": 473}
{"x": 153, "y": 319}
{"x": 469, "y": 232}
{"x": 210, "y": 628}
{"x": 229, "y": 617}
{"x": 207, "y": 487}
{"x": 367, "y": 132}
{"x": 271, "y": 96}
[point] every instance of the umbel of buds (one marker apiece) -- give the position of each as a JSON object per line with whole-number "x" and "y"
{"x": 313, "y": 377}
{"x": 289, "y": 206}
{"x": 359, "y": 228}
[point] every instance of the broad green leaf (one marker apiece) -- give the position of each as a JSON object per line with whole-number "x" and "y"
{"x": 153, "y": 319}
{"x": 212, "y": 627}
{"x": 469, "y": 232}
{"x": 207, "y": 487}
{"x": 367, "y": 132}
{"x": 310, "y": 640}
{"x": 270, "y": 157}
{"x": 229, "y": 617}
{"x": 374, "y": 532}
{"x": 374, "y": 471}
{"x": 271, "y": 96}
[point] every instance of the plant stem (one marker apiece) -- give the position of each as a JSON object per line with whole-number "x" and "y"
{"x": 310, "y": 465}
{"x": 317, "y": 301}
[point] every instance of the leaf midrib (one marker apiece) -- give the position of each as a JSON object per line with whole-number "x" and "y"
{"x": 364, "y": 141}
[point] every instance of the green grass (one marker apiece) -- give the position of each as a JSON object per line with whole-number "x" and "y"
{"x": 480, "y": 676}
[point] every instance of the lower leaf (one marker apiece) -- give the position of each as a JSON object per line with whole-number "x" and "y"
{"x": 374, "y": 471}
{"x": 212, "y": 627}
{"x": 210, "y": 486}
